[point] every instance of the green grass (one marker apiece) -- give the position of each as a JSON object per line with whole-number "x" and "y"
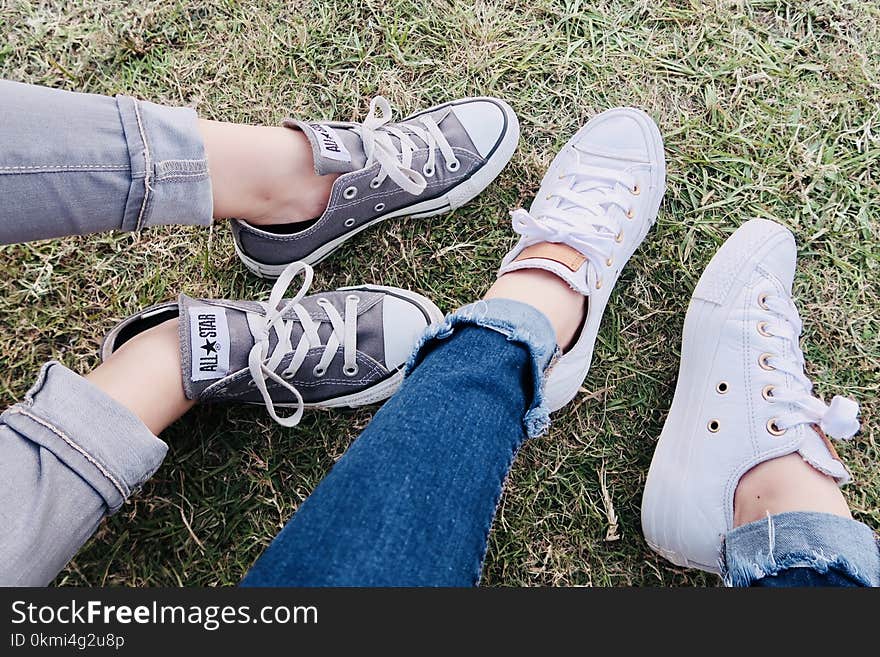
{"x": 769, "y": 109}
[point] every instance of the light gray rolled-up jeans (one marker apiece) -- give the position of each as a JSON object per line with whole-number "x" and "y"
{"x": 72, "y": 164}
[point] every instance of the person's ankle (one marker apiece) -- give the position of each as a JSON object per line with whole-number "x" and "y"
{"x": 787, "y": 483}
{"x": 291, "y": 191}
{"x": 543, "y": 290}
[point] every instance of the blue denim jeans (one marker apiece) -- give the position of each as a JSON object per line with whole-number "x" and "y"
{"x": 412, "y": 501}
{"x": 72, "y": 164}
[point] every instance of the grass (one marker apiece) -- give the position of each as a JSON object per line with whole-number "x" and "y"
{"x": 769, "y": 108}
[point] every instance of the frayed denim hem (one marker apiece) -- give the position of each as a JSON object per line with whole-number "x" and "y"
{"x": 818, "y": 541}
{"x": 518, "y": 322}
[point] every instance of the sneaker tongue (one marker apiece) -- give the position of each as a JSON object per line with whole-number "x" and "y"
{"x": 817, "y": 450}
{"x": 214, "y": 342}
{"x": 335, "y": 147}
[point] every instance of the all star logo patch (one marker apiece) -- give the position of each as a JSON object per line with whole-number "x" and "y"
{"x": 330, "y": 144}
{"x": 209, "y": 342}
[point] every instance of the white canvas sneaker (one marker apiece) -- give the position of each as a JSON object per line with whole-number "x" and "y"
{"x": 596, "y": 203}
{"x": 742, "y": 398}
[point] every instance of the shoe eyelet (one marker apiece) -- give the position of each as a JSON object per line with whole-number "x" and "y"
{"x": 379, "y": 207}
{"x": 713, "y": 426}
{"x": 722, "y": 388}
{"x": 251, "y": 384}
{"x": 630, "y": 214}
{"x": 767, "y": 393}
{"x": 350, "y": 192}
{"x": 764, "y": 362}
{"x": 428, "y": 171}
{"x": 548, "y": 197}
{"x": 762, "y": 329}
{"x": 374, "y": 183}
{"x": 350, "y": 371}
{"x": 762, "y": 301}
{"x": 599, "y": 284}
{"x": 619, "y": 237}
{"x": 609, "y": 262}
{"x": 353, "y": 297}
{"x": 349, "y": 222}
{"x": 319, "y": 371}
{"x": 636, "y": 190}
{"x": 288, "y": 375}
{"x": 774, "y": 430}
{"x": 453, "y": 166}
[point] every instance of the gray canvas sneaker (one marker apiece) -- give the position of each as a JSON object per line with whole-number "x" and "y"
{"x": 334, "y": 349}
{"x": 430, "y": 163}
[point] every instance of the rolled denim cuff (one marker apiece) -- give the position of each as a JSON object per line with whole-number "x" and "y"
{"x": 819, "y": 541}
{"x": 518, "y": 322}
{"x": 93, "y": 435}
{"x": 170, "y": 182}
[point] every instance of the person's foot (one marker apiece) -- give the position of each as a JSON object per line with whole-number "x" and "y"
{"x": 596, "y": 203}
{"x": 427, "y": 164}
{"x": 334, "y": 349}
{"x": 742, "y": 405}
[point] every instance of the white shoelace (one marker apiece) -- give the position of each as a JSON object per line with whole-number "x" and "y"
{"x": 397, "y": 164}
{"x": 262, "y": 364}
{"x": 582, "y": 218}
{"x": 840, "y": 419}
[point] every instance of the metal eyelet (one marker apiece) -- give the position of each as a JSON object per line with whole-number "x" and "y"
{"x": 764, "y": 362}
{"x": 428, "y": 171}
{"x": 319, "y": 371}
{"x": 774, "y": 430}
{"x": 636, "y": 190}
{"x": 374, "y": 183}
{"x": 762, "y": 329}
{"x": 767, "y": 393}
{"x": 350, "y": 192}
{"x": 762, "y": 301}
{"x": 251, "y": 384}
{"x": 722, "y": 388}
{"x": 350, "y": 371}
{"x": 713, "y": 426}
{"x": 619, "y": 237}
{"x": 353, "y": 297}
{"x": 453, "y": 166}
{"x": 609, "y": 262}
{"x": 379, "y": 207}
{"x": 349, "y": 222}
{"x": 630, "y": 214}
{"x": 599, "y": 284}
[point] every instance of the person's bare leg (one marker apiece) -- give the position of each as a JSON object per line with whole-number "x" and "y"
{"x": 144, "y": 376}
{"x": 787, "y": 483}
{"x": 541, "y": 289}
{"x": 263, "y": 175}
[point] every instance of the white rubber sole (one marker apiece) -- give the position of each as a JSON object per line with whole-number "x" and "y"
{"x": 456, "y": 197}
{"x": 384, "y": 389}
{"x": 662, "y": 502}
{"x": 565, "y": 381}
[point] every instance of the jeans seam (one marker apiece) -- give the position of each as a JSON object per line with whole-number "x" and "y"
{"x": 73, "y": 445}
{"x": 66, "y": 167}
{"x": 147, "y": 166}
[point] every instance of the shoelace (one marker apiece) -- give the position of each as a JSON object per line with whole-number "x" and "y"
{"x": 840, "y": 419}
{"x": 262, "y": 364}
{"x": 376, "y": 133}
{"x": 582, "y": 217}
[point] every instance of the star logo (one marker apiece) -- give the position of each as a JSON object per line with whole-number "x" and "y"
{"x": 210, "y": 346}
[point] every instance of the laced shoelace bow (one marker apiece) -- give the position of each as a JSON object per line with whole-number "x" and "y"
{"x": 396, "y": 160}
{"x": 263, "y": 364}
{"x": 840, "y": 418}
{"x": 581, "y": 218}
